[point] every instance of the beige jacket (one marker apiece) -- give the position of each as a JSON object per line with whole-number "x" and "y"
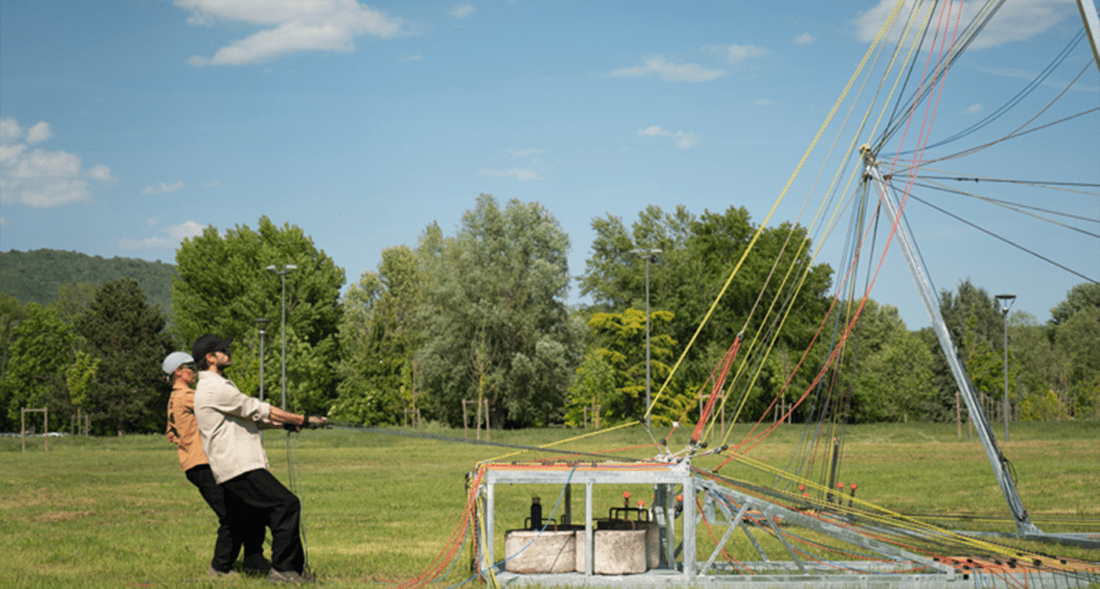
{"x": 227, "y": 421}
{"x": 182, "y": 430}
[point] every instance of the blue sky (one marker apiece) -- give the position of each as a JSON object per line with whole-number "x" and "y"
{"x": 129, "y": 125}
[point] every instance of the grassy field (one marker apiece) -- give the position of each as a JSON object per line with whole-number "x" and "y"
{"x": 118, "y": 512}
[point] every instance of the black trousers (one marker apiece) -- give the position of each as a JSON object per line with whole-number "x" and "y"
{"x": 276, "y": 507}
{"x": 233, "y": 532}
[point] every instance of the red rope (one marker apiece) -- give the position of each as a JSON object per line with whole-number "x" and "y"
{"x": 717, "y": 389}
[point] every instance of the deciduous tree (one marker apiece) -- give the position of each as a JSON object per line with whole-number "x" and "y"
{"x": 379, "y": 336}
{"x": 1077, "y": 340}
{"x": 223, "y": 287}
{"x": 40, "y": 350}
{"x": 698, "y": 256}
{"x": 1083, "y": 296}
{"x": 494, "y": 316}
{"x": 12, "y": 313}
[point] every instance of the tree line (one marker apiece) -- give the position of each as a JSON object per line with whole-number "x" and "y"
{"x": 481, "y": 315}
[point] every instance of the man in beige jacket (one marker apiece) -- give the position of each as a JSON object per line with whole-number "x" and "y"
{"x": 229, "y": 422}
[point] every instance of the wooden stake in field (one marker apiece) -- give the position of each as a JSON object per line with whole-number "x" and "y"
{"x": 481, "y": 405}
{"x": 45, "y": 425}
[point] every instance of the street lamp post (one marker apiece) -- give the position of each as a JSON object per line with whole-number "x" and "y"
{"x": 262, "y": 323}
{"x": 286, "y": 269}
{"x": 649, "y": 255}
{"x": 1006, "y": 301}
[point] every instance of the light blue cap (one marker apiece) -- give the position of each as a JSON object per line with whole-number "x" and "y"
{"x": 173, "y": 361}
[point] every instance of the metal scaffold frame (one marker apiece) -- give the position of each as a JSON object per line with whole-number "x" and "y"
{"x": 665, "y": 476}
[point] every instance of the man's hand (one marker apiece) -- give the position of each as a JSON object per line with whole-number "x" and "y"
{"x": 315, "y": 421}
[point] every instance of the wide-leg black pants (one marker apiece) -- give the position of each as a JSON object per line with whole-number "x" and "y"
{"x": 276, "y": 507}
{"x": 233, "y": 532}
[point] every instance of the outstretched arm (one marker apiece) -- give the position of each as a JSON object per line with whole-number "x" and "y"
{"x": 282, "y": 418}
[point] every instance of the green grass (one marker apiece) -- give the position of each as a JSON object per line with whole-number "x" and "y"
{"x": 117, "y": 512}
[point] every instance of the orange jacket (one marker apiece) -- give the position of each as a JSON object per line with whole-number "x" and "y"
{"x": 183, "y": 430}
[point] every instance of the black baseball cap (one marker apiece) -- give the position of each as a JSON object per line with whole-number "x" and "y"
{"x": 209, "y": 343}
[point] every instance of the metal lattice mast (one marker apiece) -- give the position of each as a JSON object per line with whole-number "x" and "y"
{"x": 928, "y": 297}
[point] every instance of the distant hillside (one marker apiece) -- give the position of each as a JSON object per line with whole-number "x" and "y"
{"x": 33, "y": 277}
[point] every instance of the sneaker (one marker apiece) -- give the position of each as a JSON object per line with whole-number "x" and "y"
{"x": 223, "y": 574}
{"x": 256, "y": 564}
{"x": 275, "y": 576}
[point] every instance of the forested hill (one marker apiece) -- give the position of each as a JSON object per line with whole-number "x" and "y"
{"x": 34, "y": 276}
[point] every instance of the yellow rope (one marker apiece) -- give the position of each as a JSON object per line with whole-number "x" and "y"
{"x": 852, "y": 176}
{"x": 775, "y": 205}
{"x": 559, "y": 442}
{"x": 873, "y": 50}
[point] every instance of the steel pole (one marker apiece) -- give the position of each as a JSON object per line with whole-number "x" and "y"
{"x": 648, "y": 418}
{"x": 283, "y": 274}
{"x": 1006, "y": 374}
{"x": 262, "y": 332}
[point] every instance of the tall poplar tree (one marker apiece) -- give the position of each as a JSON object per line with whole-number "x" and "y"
{"x": 496, "y": 326}
{"x": 378, "y": 338}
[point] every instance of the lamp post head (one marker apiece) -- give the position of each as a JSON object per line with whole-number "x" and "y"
{"x": 648, "y": 254}
{"x": 1006, "y": 301}
{"x": 282, "y": 272}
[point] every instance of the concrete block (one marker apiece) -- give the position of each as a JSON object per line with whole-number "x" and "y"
{"x": 549, "y": 552}
{"x": 617, "y": 552}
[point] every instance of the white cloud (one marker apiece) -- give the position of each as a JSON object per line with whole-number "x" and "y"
{"x": 517, "y": 173}
{"x": 763, "y": 102}
{"x": 10, "y": 131}
{"x": 101, "y": 172}
{"x": 735, "y": 54}
{"x": 670, "y": 72}
{"x": 292, "y": 26}
{"x": 3, "y": 221}
{"x": 463, "y": 11}
{"x": 169, "y": 238}
{"x": 804, "y": 39}
{"x": 973, "y": 108}
{"x": 681, "y": 139}
{"x": 151, "y": 221}
{"x": 407, "y": 58}
{"x": 163, "y": 188}
{"x": 38, "y": 177}
{"x": 1014, "y": 21}
{"x": 39, "y": 133}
